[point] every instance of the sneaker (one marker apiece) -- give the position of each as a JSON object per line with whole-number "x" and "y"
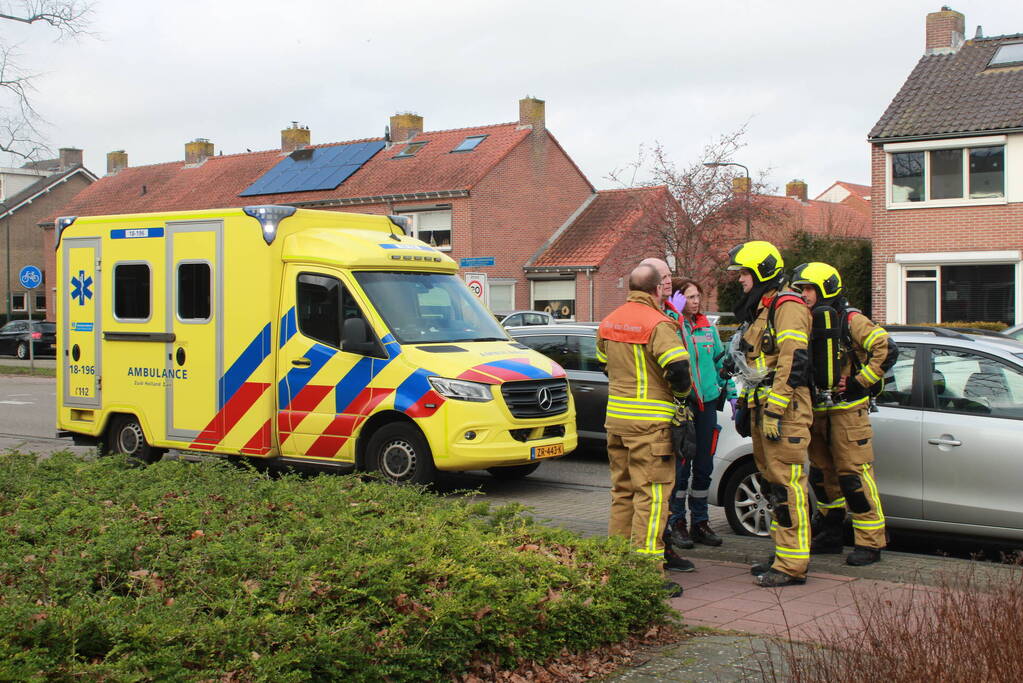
{"x": 773, "y": 578}
{"x": 762, "y": 567}
{"x": 702, "y": 533}
{"x": 672, "y": 589}
{"x": 674, "y": 563}
{"x": 861, "y": 556}
{"x": 678, "y": 536}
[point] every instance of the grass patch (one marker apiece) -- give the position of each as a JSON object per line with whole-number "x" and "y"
{"x": 19, "y": 370}
{"x": 183, "y": 571}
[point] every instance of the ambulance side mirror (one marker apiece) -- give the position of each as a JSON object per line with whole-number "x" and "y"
{"x": 356, "y": 338}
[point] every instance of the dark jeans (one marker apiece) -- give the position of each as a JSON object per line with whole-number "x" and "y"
{"x": 704, "y": 420}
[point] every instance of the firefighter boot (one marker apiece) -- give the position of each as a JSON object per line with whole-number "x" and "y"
{"x": 773, "y": 578}
{"x": 828, "y": 539}
{"x": 762, "y": 567}
{"x": 862, "y": 556}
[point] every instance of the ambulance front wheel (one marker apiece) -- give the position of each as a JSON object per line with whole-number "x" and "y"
{"x": 399, "y": 451}
{"x": 126, "y": 436}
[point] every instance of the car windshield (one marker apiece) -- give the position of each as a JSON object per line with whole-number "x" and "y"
{"x": 425, "y": 308}
{"x": 45, "y": 327}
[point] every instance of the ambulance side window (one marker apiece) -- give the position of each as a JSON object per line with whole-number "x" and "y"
{"x": 131, "y": 292}
{"x": 318, "y": 308}
{"x": 194, "y": 291}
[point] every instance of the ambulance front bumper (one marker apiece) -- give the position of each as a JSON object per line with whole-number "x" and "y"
{"x": 482, "y": 435}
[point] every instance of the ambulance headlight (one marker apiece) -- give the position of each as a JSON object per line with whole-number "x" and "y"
{"x": 460, "y": 390}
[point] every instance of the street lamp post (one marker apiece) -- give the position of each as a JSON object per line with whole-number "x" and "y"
{"x": 749, "y": 188}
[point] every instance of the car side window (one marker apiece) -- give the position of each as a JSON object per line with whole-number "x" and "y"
{"x": 898, "y": 381}
{"x": 967, "y": 382}
{"x": 513, "y": 320}
{"x": 587, "y": 346}
{"x": 534, "y": 319}
{"x": 555, "y": 347}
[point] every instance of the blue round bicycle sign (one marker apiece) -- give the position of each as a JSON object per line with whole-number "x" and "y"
{"x": 30, "y": 277}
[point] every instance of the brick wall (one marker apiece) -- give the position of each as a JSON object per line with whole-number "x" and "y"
{"x": 965, "y": 228}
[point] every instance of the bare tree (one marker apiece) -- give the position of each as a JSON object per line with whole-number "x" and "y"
{"x": 704, "y": 213}
{"x": 19, "y": 120}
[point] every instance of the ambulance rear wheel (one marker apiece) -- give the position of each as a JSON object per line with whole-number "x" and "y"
{"x": 126, "y": 436}
{"x": 399, "y": 451}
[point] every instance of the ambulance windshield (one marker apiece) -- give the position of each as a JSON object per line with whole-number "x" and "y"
{"x": 425, "y": 308}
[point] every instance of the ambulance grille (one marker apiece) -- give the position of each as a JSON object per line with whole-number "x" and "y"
{"x": 523, "y": 398}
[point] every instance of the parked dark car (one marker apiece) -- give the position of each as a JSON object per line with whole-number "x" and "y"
{"x": 16, "y": 335}
{"x": 574, "y": 347}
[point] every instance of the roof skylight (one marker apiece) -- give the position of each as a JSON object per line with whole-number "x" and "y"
{"x": 1008, "y": 54}
{"x": 470, "y": 143}
{"x": 410, "y": 150}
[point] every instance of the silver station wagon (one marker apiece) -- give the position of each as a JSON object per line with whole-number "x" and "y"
{"x": 948, "y": 441}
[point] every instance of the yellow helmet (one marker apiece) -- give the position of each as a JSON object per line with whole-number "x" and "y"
{"x": 824, "y": 277}
{"x": 762, "y": 258}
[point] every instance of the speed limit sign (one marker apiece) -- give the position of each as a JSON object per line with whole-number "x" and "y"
{"x": 477, "y": 283}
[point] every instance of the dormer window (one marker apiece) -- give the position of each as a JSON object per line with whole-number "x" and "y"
{"x": 470, "y": 143}
{"x": 409, "y": 150}
{"x": 1010, "y": 54}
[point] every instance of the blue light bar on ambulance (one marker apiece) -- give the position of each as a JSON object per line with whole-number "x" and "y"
{"x": 269, "y": 216}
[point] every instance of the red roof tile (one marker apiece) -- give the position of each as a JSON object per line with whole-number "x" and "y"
{"x": 217, "y": 181}
{"x": 600, "y": 227}
{"x": 821, "y": 218}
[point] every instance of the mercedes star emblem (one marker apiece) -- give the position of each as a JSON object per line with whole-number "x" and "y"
{"x": 544, "y": 398}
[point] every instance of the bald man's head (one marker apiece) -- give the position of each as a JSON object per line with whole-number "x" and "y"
{"x": 645, "y": 278}
{"x": 663, "y": 272}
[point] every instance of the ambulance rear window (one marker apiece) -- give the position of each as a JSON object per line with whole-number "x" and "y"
{"x": 131, "y": 292}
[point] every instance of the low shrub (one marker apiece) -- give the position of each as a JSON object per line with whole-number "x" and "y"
{"x": 976, "y": 325}
{"x": 184, "y": 571}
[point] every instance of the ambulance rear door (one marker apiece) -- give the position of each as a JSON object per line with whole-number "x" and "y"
{"x": 195, "y": 325}
{"x": 81, "y": 363}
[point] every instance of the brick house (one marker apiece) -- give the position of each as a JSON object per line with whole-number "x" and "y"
{"x": 497, "y": 191}
{"x": 947, "y": 182}
{"x": 28, "y": 195}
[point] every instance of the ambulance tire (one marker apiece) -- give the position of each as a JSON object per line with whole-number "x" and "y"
{"x": 126, "y": 436}
{"x": 400, "y": 453}
{"x": 513, "y": 472}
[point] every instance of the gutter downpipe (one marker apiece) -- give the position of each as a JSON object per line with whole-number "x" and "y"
{"x": 589, "y": 275}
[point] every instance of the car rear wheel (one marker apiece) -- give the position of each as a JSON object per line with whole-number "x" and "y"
{"x": 399, "y": 451}
{"x": 513, "y": 472}
{"x": 126, "y": 436}
{"x": 22, "y": 351}
{"x": 746, "y": 505}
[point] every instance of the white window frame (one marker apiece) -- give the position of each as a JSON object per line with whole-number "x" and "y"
{"x": 24, "y": 302}
{"x": 897, "y": 276}
{"x": 414, "y": 215}
{"x": 504, "y": 283}
{"x": 575, "y": 295}
{"x": 964, "y": 144}
{"x": 38, "y": 296}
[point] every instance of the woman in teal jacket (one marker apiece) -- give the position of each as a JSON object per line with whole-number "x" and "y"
{"x": 710, "y": 393}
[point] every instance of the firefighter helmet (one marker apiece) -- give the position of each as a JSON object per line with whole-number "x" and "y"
{"x": 822, "y": 276}
{"x": 762, "y": 258}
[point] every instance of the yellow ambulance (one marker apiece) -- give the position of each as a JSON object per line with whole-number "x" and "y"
{"x": 297, "y": 335}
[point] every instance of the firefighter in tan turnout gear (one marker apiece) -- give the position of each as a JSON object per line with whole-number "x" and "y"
{"x": 850, "y": 356}
{"x": 774, "y": 406}
{"x": 648, "y": 372}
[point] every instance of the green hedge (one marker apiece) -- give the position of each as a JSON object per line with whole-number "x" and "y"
{"x": 976, "y": 324}
{"x": 184, "y": 571}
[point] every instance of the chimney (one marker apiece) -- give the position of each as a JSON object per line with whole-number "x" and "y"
{"x": 945, "y": 31}
{"x": 405, "y": 126}
{"x": 796, "y": 189}
{"x": 116, "y": 161}
{"x": 740, "y": 185}
{"x": 294, "y": 138}
{"x": 198, "y": 150}
{"x": 532, "y": 113}
{"x": 69, "y": 158}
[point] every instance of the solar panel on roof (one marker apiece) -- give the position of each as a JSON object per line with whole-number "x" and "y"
{"x": 319, "y": 168}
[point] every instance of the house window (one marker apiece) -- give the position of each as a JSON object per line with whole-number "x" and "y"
{"x": 470, "y": 143}
{"x": 1008, "y": 55}
{"x": 961, "y": 293}
{"x": 409, "y": 150}
{"x": 502, "y": 297}
{"x": 131, "y": 292}
{"x": 18, "y": 301}
{"x": 40, "y": 302}
{"x": 948, "y": 175}
{"x": 556, "y": 297}
{"x": 432, "y": 227}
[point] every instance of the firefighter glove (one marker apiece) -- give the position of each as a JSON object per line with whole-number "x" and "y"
{"x": 742, "y": 419}
{"x": 772, "y": 426}
{"x": 853, "y": 390}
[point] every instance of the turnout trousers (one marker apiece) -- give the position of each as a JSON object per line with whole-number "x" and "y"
{"x": 642, "y": 476}
{"x": 842, "y": 471}
{"x": 783, "y": 465}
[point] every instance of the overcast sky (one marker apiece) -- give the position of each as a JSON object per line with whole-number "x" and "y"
{"x": 810, "y": 78}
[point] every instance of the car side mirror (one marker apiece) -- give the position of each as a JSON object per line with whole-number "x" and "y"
{"x": 356, "y": 338}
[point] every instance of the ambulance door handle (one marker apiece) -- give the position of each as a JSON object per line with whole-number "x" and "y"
{"x": 301, "y": 362}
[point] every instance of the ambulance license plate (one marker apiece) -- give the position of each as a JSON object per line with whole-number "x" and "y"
{"x": 551, "y": 451}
